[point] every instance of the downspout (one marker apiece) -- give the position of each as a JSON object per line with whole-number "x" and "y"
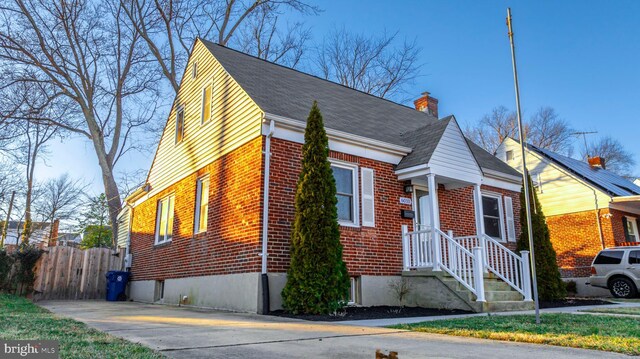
{"x": 265, "y": 219}
{"x": 598, "y": 220}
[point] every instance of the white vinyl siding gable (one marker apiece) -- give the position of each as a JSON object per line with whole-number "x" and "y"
{"x": 368, "y": 197}
{"x": 558, "y": 191}
{"x": 452, "y": 157}
{"x": 235, "y": 120}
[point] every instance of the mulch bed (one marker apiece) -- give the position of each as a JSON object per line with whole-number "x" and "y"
{"x": 572, "y": 302}
{"x": 379, "y": 312}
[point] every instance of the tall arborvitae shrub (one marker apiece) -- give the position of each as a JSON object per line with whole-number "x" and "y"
{"x": 317, "y": 280}
{"x": 550, "y": 285}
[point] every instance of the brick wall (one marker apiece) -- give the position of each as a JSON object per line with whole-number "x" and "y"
{"x": 231, "y": 243}
{"x": 369, "y": 251}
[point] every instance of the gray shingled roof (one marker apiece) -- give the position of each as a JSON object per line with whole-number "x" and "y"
{"x": 489, "y": 161}
{"x": 286, "y": 92}
{"x": 601, "y": 178}
{"x": 424, "y": 141}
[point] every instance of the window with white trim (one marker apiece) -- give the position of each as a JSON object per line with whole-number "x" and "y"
{"x": 346, "y": 179}
{"x": 164, "y": 219}
{"x": 202, "y": 205}
{"x": 631, "y": 229}
{"x": 493, "y": 215}
{"x": 354, "y": 290}
{"x": 194, "y": 70}
{"x": 206, "y": 103}
{"x": 509, "y": 155}
{"x": 179, "y": 125}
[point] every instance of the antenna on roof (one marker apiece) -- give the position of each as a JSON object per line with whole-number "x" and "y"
{"x": 584, "y": 138}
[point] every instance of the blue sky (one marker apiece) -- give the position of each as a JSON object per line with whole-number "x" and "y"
{"x": 580, "y": 57}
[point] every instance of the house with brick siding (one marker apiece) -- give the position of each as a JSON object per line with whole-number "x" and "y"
{"x": 417, "y": 201}
{"x": 587, "y": 207}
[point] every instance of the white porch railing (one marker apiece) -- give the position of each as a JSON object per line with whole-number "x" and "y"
{"x": 417, "y": 248}
{"x": 466, "y": 266}
{"x": 504, "y": 263}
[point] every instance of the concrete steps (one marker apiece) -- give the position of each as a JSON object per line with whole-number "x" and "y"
{"x": 499, "y": 296}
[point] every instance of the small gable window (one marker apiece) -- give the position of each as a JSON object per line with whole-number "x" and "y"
{"x": 509, "y": 155}
{"x": 164, "y": 219}
{"x": 206, "y": 103}
{"x": 179, "y": 125}
{"x": 194, "y": 70}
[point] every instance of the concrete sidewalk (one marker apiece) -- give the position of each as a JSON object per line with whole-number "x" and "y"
{"x": 188, "y": 333}
{"x": 410, "y": 320}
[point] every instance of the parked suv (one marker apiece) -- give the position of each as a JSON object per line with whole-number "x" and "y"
{"x": 617, "y": 269}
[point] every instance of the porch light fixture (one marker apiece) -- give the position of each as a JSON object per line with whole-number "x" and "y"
{"x": 408, "y": 189}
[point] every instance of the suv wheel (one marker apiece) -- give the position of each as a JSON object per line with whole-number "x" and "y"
{"x": 622, "y": 288}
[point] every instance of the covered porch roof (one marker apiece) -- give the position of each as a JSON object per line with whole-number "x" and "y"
{"x": 629, "y": 204}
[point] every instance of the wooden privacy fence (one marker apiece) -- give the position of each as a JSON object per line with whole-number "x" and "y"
{"x": 73, "y": 273}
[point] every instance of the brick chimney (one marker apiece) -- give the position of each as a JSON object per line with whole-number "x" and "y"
{"x": 596, "y": 162}
{"x": 427, "y": 104}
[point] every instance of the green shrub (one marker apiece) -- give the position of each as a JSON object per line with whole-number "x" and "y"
{"x": 16, "y": 269}
{"x": 6, "y": 263}
{"x": 317, "y": 279}
{"x": 550, "y": 285}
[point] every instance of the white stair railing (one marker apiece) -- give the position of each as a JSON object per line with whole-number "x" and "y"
{"x": 462, "y": 264}
{"x": 508, "y": 266}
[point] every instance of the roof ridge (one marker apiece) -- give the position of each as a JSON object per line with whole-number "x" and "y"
{"x": 207, "y": 42}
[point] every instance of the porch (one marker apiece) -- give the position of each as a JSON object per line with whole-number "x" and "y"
{"x": 479, "y": 262}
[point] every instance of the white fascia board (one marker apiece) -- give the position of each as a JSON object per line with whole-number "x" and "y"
{"x": 494, "y": 182}
{"x": 502, "y": 176}
{"x": 413, "y": 172}
{"x": 293, "y": 130}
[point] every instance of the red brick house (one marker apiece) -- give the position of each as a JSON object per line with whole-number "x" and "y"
{"x": 416, "y": 200}
{"x": 587, "y": 207}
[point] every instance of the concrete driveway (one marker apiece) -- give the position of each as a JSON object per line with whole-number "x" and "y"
{"x": 187, "y": 333}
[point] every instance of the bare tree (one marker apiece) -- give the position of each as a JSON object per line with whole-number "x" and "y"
{"x": 617, "y": 158}
{"x": 60, "y": 199}
{"x": 90, "y": 53}
{"x": 31, "y": 149}
{"x": 374, "y": 65}
{"x": 545, "y": 129}
{"x": 263, "y": 38}
{"x": 169, "y": 27}
{"x": 493, "y": 128}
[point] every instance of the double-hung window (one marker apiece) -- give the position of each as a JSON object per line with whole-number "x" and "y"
{"x": 493, "y": 216}
{"x": 206, "y": 103}
{"x": 164, "y": 219}
{"x": 202, "y": 205}
{"x": 346, "y": 179}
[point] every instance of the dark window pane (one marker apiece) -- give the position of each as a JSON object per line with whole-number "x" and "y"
{"x": 490, "y": 206}
{"x": 344, "y": 180}
{"x": 609, "y": 257}
{"x": 344, "y": 208}
{"x": 634, "y": 257}
{"x": 492, "y": 227}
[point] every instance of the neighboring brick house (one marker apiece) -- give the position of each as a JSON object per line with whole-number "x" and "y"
{"x": 587, "y": 207}
{"x": 211, "y": 227}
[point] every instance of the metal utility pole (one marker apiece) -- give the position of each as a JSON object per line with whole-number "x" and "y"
{"x": 6, "y": 223}
{"x": 525, "y": 172}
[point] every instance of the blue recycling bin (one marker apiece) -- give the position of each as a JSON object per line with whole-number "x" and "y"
{"x": 116, "y": 284}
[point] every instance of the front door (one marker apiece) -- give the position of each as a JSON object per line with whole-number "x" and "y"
{"x": 423, "y": 209}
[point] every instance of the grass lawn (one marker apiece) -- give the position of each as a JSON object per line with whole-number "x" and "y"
{"x": 616, "y": 334}
{"x": 629, "y": 310}
{"x": 22, "y": 320}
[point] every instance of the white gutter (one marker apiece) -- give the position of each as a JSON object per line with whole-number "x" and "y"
{"x": 265, "y": 198}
